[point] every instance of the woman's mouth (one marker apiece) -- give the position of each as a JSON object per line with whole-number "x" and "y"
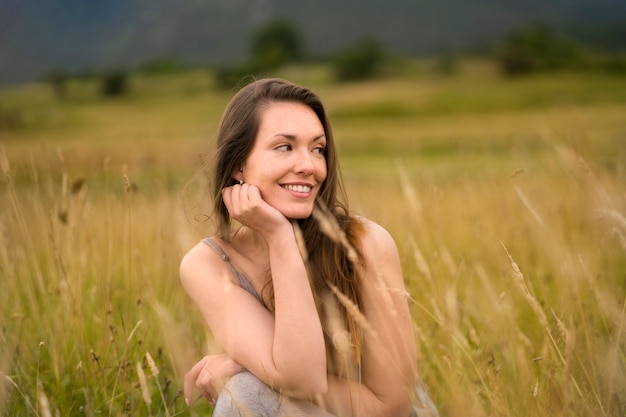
{"x": 298, "y": 188}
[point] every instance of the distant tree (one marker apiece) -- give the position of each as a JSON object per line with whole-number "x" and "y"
{"x": 447, "y": 64}
{"x": 161, "y": 66}
{"x": 10, "y": 119}
{"x": 57, "y": 79}
{"x": 272, "y": 46}
{"x": 536, "y": 48}
{"x": 114, "y": 83}
{"x": 86, "y": 74}
{"x": 615, "y": 63}
{"x": 359, "y": 61}
{"x": 275, "y": 44}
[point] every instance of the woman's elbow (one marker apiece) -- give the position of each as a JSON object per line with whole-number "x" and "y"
{"x": 399, "y": 407}
{"x": 319, "y": 386}
{"x": 307, "y": 387}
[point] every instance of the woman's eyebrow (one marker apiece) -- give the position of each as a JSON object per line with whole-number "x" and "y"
{"x": 291, "y": 137}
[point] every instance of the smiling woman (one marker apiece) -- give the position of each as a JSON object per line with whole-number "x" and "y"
{"x": 287, "y": 162}
{"x": 306, "y": 299}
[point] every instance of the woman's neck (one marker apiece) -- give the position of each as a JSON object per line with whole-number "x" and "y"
{"x": 251, "y": 246}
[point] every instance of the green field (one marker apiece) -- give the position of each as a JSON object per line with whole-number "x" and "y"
{"x": 506, "y": 197}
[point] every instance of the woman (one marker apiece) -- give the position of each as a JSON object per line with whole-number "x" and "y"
{"x": 306, "y": 300}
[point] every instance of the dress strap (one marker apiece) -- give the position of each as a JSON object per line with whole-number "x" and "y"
{"x": 241, "y": 278}
{"x": 217, "y": 248}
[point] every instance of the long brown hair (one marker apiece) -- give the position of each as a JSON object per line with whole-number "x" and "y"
{"x": 330, "y": 264}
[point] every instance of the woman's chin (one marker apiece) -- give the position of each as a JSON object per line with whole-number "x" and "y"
{"x": 297, "y": 215}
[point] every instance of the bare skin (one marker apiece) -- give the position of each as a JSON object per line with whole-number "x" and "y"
{"x": 286, "y": 349}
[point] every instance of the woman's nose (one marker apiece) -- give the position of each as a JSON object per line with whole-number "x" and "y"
{"x": 305, "y": 163}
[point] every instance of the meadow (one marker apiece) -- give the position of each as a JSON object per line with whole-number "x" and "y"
{"x": 506, "y": 198}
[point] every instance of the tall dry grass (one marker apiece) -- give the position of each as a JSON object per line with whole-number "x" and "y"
{"x": 511, "y": 226}
{"x": 518, "y": 283}
{"x": 90, "y": 292}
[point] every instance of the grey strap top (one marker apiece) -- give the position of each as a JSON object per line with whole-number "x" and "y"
{"x": 241, "y": 278}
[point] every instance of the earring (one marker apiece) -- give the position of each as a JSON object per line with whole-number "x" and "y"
{"x": 241, "y": 181}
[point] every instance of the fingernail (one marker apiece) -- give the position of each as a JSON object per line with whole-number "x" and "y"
{"x": 186, "y": 400}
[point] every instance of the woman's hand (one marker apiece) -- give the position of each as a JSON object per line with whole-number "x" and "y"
{"x": 209, "y": 375}
{"x": 246, "y": 205}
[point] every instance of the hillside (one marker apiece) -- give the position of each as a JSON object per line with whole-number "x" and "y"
{"x": 40, "y": 35}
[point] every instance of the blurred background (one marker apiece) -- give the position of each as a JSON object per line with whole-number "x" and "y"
{"x": 72, "y": 38}
{"x": 487, "y": 136}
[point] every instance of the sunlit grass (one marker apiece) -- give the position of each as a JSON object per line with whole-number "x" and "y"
{"x": 510, "y": 223}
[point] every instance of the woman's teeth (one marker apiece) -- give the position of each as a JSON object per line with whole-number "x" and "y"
{"x": 298, "y": 188}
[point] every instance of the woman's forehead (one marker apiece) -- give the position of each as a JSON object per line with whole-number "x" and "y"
{"x": 289, "y": 119}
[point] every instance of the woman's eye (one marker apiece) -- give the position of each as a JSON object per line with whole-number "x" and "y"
{"x": 319, "y": 150}
{"x": 283, "y": 148}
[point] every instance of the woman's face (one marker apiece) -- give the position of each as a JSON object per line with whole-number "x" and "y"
{"x": 287, "y": 160}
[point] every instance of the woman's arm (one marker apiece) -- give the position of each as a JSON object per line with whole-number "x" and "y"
{"x": 285, "y": 350}
{"x": 389, "y": 372}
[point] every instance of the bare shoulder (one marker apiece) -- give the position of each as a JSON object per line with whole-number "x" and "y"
{"x": 377, "y": 243}
{"x": 196, "y": 255}
{"x": 200, "y": 263}
{"x": 380, "y": 255}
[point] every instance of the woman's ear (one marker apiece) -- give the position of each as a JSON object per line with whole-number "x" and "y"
{"x": 238, "y": 175}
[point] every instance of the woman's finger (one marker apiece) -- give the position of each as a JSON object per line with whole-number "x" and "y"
{"x": 209, "y": 375}
{"x": 205, "y": 384}
{"x": 234, "y": 197}
{"x": 191, "y": 378}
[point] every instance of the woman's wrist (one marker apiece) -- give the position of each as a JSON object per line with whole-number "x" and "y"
{"x": 280, "y": 235}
